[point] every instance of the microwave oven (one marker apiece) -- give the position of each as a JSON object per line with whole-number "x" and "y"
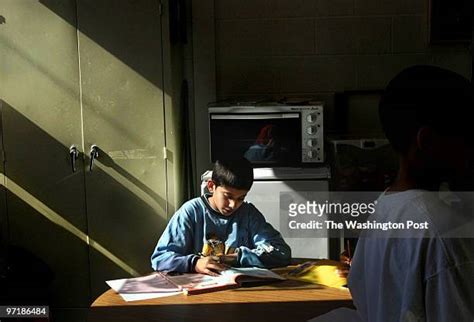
{"x": 268, "y": 136}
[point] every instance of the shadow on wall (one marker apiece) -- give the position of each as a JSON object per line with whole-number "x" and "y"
{"x": 47, "y": 207}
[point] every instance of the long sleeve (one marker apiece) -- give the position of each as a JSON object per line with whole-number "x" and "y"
{"x": 450, "y": 294}
{"x": 270, "y": 248}
{"x": 174, "y": 251}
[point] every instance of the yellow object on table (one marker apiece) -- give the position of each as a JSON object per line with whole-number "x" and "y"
{"x": 323, "y": 271}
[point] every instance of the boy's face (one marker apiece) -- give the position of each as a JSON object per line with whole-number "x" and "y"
{"x": 225, "y": 200}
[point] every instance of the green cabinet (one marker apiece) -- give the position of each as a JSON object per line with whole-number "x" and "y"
{"x": 83, "y": 73}
{"x": 122, "y": 93}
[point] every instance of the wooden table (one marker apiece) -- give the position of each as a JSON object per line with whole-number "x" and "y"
{"x": 287, "y": 300}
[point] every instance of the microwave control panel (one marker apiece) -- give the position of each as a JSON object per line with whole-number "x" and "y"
{"x": 312, "y": 134}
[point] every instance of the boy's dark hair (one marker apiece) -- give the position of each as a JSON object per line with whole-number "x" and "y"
{"x": 237, "y": 174}
{"x": 425, "y": 96}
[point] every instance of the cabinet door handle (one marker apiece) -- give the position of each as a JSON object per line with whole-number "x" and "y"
{"x": 94, "y": 155}
{"x": 74, "y": 154}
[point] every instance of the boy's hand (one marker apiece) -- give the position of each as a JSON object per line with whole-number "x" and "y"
{"x": 210, "y": 265}
{"x": 345, "y": 258}
{"x": 346, "y": 261}
{"x": 229, "y": 259}
{"x": 343, "y": 271}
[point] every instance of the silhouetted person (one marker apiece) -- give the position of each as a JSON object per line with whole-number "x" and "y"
{"x": 420, "y": 274}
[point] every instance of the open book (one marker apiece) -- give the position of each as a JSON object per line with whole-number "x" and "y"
{"x": 234, "y": 277}
{"x": 192, "y": 283}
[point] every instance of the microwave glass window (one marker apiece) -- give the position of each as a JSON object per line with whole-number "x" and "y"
{"x": 275, "y": 142}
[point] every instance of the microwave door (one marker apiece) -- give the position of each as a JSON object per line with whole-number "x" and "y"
{"x": 255, "y": 116}
{"x": 264, "y": 139}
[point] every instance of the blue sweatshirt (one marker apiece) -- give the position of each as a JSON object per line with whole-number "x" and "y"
{"x": 257, "y": 242}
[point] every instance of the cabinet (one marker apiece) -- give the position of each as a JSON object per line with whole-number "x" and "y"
{"x": 83, "y": 73}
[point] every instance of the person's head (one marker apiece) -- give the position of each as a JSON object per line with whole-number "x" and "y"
{"x": 265, "y": 135}
{"x": 268, "y": 135}
{"x": 231, "y": 180}
{"x": 427, "y": 113}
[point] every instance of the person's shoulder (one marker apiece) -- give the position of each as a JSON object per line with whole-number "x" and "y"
{"x": 248, "y": 206}
{"x": 250, "y": 210}
{"x": 402, "y": 197}
{"x": 444, "y": 218}
{"x": 191, "y": 207}
{"x": 194, "y": 202}
{"x": 412, "y": 202}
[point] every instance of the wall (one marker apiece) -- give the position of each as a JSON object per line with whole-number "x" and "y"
{"x": 297, "y": 48}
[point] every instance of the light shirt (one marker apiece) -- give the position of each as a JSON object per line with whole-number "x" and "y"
{"x": 423, "y": 276}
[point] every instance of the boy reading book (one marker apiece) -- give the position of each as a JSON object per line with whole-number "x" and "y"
{"x": 218, "y": 229}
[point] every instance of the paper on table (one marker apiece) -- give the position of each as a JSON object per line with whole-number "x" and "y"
{"x": 146, "y": 296}
{"x": 154, "y": 283}
{"x": 128, "y": 297}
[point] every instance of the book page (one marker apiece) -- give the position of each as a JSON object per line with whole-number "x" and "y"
{"x": 227, "y": 277}
{"x": 192, "y": 281}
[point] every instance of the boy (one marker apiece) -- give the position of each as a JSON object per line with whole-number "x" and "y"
{"x": 219, "y": 228}
{"x": 420, "y": 274}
